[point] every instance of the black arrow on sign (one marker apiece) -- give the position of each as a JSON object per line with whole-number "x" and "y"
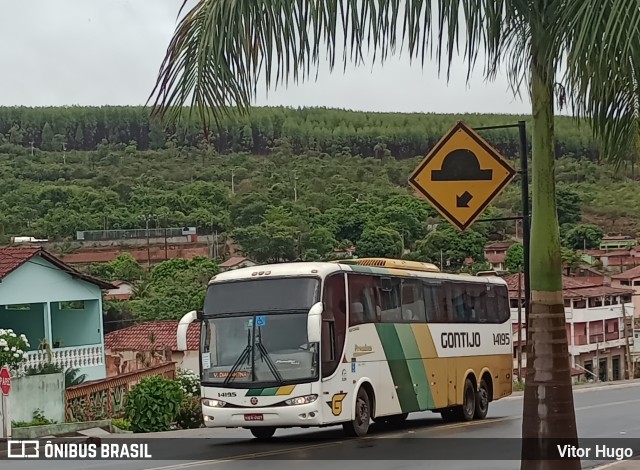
{"x": 463, "y": 200}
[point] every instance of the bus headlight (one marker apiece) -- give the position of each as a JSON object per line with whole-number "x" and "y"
{"x": 301, "y": 400}
{"x": 213, "y": 403}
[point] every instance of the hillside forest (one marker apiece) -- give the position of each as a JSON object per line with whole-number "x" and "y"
{"x": 284, "y": 184}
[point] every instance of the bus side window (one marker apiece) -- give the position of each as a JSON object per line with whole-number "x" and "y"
{"x": 390, "y": 308}
{"x": 363, "y": 299}
{"x": 413, "y": 309}
{"x": 333, "y": 322}
{"x": 501, "y": 303}
{"x": 433, "y": 295}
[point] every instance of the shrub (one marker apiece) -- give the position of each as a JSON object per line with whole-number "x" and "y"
{"x": 38, "y": 420}
{"x": 13, "y": 349}
{"x": 121, "y": 423}
{"x": 190, "y": 413}
{"x": 153, "y": 404}
{"x": 189, "y": 382}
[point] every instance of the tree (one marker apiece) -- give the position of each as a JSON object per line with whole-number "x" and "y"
{"x": 568, "y": 206}
{"x": 595, "y": 40}
{"x": 583, "y": 237}
{"x": 452, "y": 246}
{"x": 47, "y": 137}
{"x": 379, "y": 242}
{"x": 514, "y": 260}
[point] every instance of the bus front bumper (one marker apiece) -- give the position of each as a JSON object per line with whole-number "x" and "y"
{"x": 281, "y": 416}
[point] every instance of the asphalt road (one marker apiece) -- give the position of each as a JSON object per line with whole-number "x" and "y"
{"x": 609, "y": 412}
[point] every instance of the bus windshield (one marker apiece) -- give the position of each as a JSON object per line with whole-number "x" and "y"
{"x": 255, "y": 332}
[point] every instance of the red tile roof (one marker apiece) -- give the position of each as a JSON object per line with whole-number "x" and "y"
{"x": 503, "y": 245}
{"x": 12, "y": 257}
{"x": 233, "y": 261}
{"x": 137, "y": 337}
{"x": 620, "y": 253}
{"x": 573, "y": 287}
{"x": 628, "y": 274}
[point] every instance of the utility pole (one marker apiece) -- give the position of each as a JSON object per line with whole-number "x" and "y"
{"x": 233, "y": 190}
{"x": 64, "y": 155}
{"x": 166, "y": 256}
{"x": 520, "y": 326}
{"x": 32, "y": 142}
{"x": 295, "y": 186}
{"x": 147, "y": 218}
{"x": 626, "y": 339}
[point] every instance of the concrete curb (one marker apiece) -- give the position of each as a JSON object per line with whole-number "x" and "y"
{"x": 631, "y": 464}
{"x": 616, "y": 384}
{"x": 34, "y": 432}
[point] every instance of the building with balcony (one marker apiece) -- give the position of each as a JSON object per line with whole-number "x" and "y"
{"x": 57, "y": 308}
{"x": 617, "y": 242}
{"x": 495, "y": 253}
{"x": 629, "y": 279}
{"x": 599, "y": 322}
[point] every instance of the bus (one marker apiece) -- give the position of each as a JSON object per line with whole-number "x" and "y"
{"x": 309, "y": 344}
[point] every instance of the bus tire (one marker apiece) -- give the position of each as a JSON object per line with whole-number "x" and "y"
{"x": 467, "y": 410}
{"x": 359, "y": 426}
{"x": 482, "y": 401}
{"x": 263, "y": 432}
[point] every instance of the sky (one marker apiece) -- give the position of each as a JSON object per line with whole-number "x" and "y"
{"x": 108, "y": 52}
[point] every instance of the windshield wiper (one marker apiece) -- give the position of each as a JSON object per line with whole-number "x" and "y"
{"x": 264, "y": 354}
{"x": 244, "y": 356}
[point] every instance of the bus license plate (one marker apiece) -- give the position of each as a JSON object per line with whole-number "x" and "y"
{"x": 254, "y": 417}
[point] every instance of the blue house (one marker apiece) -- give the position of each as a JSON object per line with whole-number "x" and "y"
{"x": 57, "y": 308}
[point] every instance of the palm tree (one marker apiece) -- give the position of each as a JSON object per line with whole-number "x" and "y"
{"x": 221, "y": 49}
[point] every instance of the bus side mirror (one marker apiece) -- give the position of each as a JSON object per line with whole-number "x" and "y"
{"x": 183, "y": 327}
{"x": 314, "y": 323}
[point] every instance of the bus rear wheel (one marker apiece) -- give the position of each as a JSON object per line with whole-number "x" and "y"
{"x": 360, "y": 424}
{"x": 263, "y": 433}
{"x": 482, "y": 401}
{"x": 467, "y": 410}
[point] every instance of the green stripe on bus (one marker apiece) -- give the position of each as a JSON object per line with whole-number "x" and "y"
{"x": 269, "y": 392}
{"x": 415, "y": 365}
{"x": 398, "y": 367}
{"x": 254, "y": 392}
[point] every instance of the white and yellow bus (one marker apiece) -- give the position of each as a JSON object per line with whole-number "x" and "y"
{"x": 321, "y": 344}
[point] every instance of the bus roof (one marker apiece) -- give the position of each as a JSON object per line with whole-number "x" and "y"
{"x": 323, "y": 269}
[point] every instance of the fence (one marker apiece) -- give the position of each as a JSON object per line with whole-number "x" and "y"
{"x": 98, "y": 235}
{"x": 105, "y": 399}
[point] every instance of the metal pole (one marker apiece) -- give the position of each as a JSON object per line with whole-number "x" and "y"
{"x": 626, "y": 338}
{"x": 519, "y": 326}
{"x": 526, "y": 230}
{"x": 166, "y": 256}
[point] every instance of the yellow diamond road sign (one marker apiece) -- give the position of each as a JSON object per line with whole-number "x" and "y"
{"x": 461, "y": 176}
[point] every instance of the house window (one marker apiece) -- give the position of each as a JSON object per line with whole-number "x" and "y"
{"x": 582, "y": 303}
{"x": 595, "y": 302}
{"x": 625, "y": 283}
{"x": 71, "y": 305}
{"x": 636, "y": 283}
{"x": 18, "y": 307}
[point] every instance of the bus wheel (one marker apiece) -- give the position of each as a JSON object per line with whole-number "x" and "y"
{"x": 360, "y": 424}
{"x": 468, "y": 408}
{"x": 482, "y": 401}
{"x": 263, "y": 433}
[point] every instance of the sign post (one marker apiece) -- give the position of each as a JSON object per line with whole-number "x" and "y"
{"x": 461, "y": 176}
{"x": 5, "y": 388}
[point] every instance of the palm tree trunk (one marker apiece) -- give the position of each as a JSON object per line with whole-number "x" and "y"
{"x": 548, "y": 398}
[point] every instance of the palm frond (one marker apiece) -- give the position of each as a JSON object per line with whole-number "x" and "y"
{"x": 222, "y": 49}
{"x": 603, "y": 54}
